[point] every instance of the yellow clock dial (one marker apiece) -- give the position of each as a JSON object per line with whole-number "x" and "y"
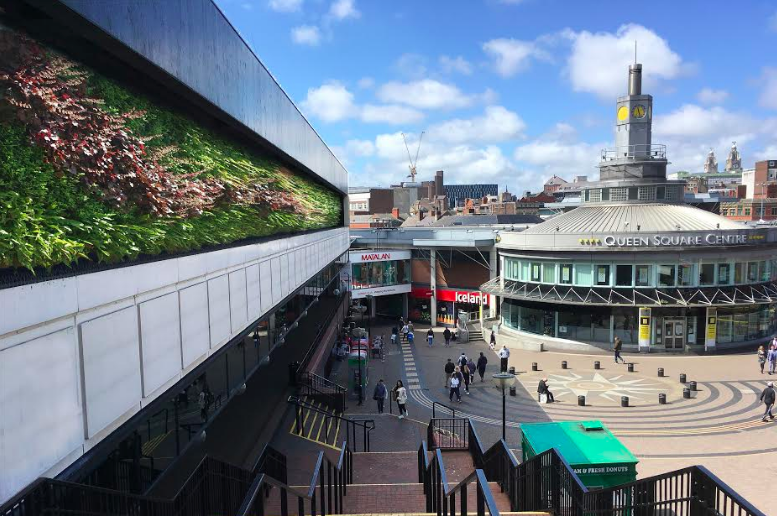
{"x": 623, "y": 113}
{"x": 638, "y": 111}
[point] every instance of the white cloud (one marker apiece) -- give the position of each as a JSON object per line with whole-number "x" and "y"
{"x": 768, "y": 98}
{"x": 772, "y": 22}
{"x": 414, "y": 66}
{"x": 692, "y": 121}
{"x": 285, "y": 6}
{"x": 360, "y": 147}
{"x": 511, "y": 56}
{"x": 343, "y": 9}
{"x": 365, "y": 83}
{"x": 455, "y": 65}
{"x": 390, "y": 114}
{"x": 497, "y": 125}
{"x": 424, "y": 94}
{"x": 769, "y": 152}
{"x": 560, "y": 152}
{"x": 599, "y": 62}
{"x": 306, "y": 35}
{"x": 332, "y": 102}
{"x": 710, "y": 96}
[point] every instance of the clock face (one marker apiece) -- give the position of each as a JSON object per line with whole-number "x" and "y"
{"x": 638, "y": 111}
{"x": 623, "y": 113}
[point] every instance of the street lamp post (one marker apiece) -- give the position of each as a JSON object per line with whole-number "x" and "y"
{"x": 503, "y": 381}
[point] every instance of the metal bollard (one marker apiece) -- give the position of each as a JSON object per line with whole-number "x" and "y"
{"x": 564, "y": 364}
{"x": 662, "y": 399}
{"x": 682, "y": 378}
{"x": 631, "y": 368}
{"x": 597, "y": 365}
{"x": 581, "y": 401}
{"x": 693, "y": 386}
{"x": 511, "y": 370}
{"x": 660, "y": 372}
{"x": 687, "y": 393}
{"x": 624, "y": 401}
{"x": 512, "y": 390}
{"x": 534, "y": 366}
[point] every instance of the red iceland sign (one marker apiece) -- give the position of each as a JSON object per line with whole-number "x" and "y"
{"x": 458, "y": 296}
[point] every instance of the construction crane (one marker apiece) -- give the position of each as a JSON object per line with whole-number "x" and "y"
{"x": 413, "y": 162}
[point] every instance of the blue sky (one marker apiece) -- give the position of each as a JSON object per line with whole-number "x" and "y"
{"x": 515, "y": 91}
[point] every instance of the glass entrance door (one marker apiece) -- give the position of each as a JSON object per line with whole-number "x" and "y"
{"x": 674, "y": 332}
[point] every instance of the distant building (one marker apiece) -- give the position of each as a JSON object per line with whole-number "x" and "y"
{"x": 553, "y": 184}
{"x": 758, "y": 180}
{"x": 750, "y": 210}
{"x": 457, "y": 194}
{"x": 711, "y": 165}
{"x": 734, "y": 160}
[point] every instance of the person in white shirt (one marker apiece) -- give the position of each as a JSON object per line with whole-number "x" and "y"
{"x": 504, "y": 354}
{"x": 401, "y": 397}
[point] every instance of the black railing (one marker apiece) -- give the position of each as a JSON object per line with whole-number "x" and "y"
{"x": 441, "y": 498}
{"x": 356, "y": 430}
{"x": 450, "y": 434}
{"x": 328, "y": 486}
{"x": 323, "y": 390}
{"x": 320, "y": 334}
{"x": 435, "y": 408}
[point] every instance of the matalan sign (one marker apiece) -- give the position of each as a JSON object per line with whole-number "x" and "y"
{"x": 673, "y": 240}
{"x": 374, "y": 257}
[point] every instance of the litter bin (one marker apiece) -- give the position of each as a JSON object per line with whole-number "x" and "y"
{"x": 293, "y": 373}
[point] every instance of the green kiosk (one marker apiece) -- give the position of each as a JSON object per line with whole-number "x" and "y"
{"x": 598, "y": 458}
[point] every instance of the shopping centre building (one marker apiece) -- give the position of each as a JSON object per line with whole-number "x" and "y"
{"x": 634, "y": 261}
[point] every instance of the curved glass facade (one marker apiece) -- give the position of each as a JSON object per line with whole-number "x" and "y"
{"x": 662, "y": 274}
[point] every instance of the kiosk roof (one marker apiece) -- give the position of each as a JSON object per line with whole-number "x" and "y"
{"x": 577, "y": 445}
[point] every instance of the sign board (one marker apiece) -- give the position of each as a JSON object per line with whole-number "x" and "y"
{"x": 644, "y": 328}
{"x": 380, "y": 291}
{"x": 457, "y": 296}
{"x": 675, "y": 240}
{"x": 368, "y": 255}
{"x": 711, "y": 334}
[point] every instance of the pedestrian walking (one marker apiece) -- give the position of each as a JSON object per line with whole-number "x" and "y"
{"x": 449, "y": 368}
{"x": 447, "y": 336}
{"x": 204, "y": 402}
{"x": 401, "y": 396}
{"x": 617, "y": 346}
{"x": 430, "y": 337}
{"x": 454, "y": 384}
{"x": 482, "y": 361}
{"x": 466, "y": 376}
{"x": 410, "y": 337}
{"x": 504, "y": 355}
{"x": 492, "y": 341}
{"x": 380, "y": 395}
{"x": 394, "y": 335}
{"x": 771, "y": 357}
{"x": 767, "y": 396}
{"x": 462, "y": 361}
{"x": 405, "y": 331}
{"x": 471, "y": 367}
{"x": 761, "y": 358}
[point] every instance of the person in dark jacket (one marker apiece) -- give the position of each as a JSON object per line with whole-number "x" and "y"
{"x": 482, "y": 361}
{"x": 542, "y": 388}
{"x": 617, "y": 346}
{"x": 447, "y": 336}
{"x": 449, "y": 367}
{"x": 380, "y": 395}
{"x": 767, "y": 396}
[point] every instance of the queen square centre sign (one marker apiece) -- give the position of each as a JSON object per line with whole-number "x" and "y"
{"x": 674, "y": 240}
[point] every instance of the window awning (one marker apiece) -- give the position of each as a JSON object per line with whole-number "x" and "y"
{"x": 762, "y": 293}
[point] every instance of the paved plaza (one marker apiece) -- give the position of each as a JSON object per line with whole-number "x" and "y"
{"x": 719, "y": 427}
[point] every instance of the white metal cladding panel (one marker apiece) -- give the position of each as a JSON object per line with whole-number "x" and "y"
{"x": 238, "y": 303}
{"x": 41, "y": 421}
{"x": 28, "y": 305}
{"x": 253, "y": 292}
{"x": 285, "y": 273}
{"x": 103, "y": 287}
{"x": 111, "y": 367}
{"x": 195, "y": 330}
{"x": 218, "y": 308}
{"x": 275, "y": 268}
{"x": 160, "y": 336}
{"x": 265, "y": 284}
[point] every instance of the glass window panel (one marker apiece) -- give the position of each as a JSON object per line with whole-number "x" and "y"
{"x": 565, "y": 273}
{"x": 644, "y": 276}
{"x": 739, "y": 273}
{"x": 725, "y": 328}
{"x": 625, "y": 325}
{"x": 666, "y": 275}
{"x": 765, "y": 273}
{"x": 602, "y": 275}
{"x": 525, "y": 271}
{"x": 685, "y": 275}
{"x": 724, "y": 274}
{"x": 583, "y": 276}
{"x": 633, "y": 193}
{"x": 600, "y": 327}
{"x": 605, "y": 194}
{"x": 706, "y": 274}
{"x": 623, "y": 275}
{"x": 574, "y": 325}
{"x": 549, "y": 272}
{"x": 660, "y": 192}
{"x": 536, "y": 272}
{"x": 752, "y": 272}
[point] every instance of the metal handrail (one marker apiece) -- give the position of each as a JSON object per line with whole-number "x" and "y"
{"x": 366, "y": 425}
{"x": 434, "y": 409}
{"x": 640, "y": 150}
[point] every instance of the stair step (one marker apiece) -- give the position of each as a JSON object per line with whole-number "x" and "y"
{"x": 319, "y": 427}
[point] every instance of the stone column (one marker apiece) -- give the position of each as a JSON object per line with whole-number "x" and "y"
{"x": 492, "y": 273}
{"x": 433, "y": 286}
{"x": 405, "y": 305}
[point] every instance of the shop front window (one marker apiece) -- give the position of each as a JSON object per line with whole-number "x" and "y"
{"x": 380, "y": 274}
{"x": 602, "y": 275}
{"x": 739, "y": 273}
{"x": 574, "y": 325}
{"x": 752, "y": 272}
{"x": 549, "y": 272}
{"x": 565, "y": 273}
{"x": 623, "y": 275}
{"x": 724, "y": 274}
{"x": 685, "y": 275}
{"x": 706, "y": 274}
{"x": 765, "y": 272}
{"x": 583, "y": 275}
{"x": 600, "y": 327}
{"x": 666, "y": 275}
{"x": 536, "y": 272}
{"x": 643, "y": 277}
{"x": 625, "y": 325}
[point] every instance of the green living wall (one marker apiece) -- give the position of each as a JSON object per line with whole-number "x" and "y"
{"x": 92, "y": 171}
